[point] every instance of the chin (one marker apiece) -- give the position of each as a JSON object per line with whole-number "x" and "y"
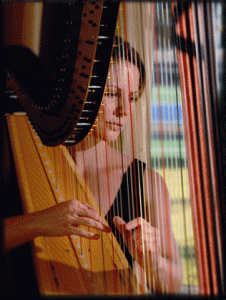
{"x": 109, "y": 136}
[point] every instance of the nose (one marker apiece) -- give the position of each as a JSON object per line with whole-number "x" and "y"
{"x": 123, "y": 106}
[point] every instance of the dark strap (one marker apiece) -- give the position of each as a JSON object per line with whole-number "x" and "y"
{"x": 129, "y": 202}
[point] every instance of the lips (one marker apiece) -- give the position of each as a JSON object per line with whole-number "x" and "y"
{"x": 114, "y": 126}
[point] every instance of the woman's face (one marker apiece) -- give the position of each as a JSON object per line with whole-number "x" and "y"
{"x": 121, "y": 92}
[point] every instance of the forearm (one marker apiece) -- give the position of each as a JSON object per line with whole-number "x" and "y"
{"x": 62, "y": 219}
{"x": 19, "y": 230}
{"x": 165, "y": 276}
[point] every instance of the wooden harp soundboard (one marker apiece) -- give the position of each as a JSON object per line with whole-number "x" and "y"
{"x": 64, "y": 265}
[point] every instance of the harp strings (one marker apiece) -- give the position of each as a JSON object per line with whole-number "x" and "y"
{"x": 150, "y": 45}
{"x": 133, "y": 179}
{"x": 118, "y": 63}
{"x": 169, "y": 83}
{"x": 154, "y": 49}
{"x": 185, "y": 228}
{"x": 136, "y": 16}
{"x": 146, "y": 10}
{"x": 181, "y": 31}
{"x": 132, "y": 147}
{"x": 159, "y": 59}
{"x": 81, "y": 243}
{"x": 169, "y": 128}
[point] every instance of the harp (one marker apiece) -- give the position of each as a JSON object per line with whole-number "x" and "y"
{"x": 197, "y": 197}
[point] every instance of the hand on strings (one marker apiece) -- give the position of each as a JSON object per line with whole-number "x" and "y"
{"x": 142, "y": 240}
{"x": 64, "y": 218}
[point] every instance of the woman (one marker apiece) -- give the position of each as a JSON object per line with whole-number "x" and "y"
{"x": 146, "y": 237}
{"x": 122, "y": 180}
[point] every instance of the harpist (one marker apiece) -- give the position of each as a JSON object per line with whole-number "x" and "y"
{"x": 126, "y": 191}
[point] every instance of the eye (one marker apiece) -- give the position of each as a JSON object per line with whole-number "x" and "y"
{"x": 133, "y": 97}
{"x": 111, "y": 94}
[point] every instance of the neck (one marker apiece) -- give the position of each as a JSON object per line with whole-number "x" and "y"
{"x": 87, "y": 143}
{"x": 87, "y": 152}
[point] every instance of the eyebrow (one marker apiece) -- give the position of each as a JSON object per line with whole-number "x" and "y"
{"x": 116, "y": 87}
{"x": 112, "y": 86}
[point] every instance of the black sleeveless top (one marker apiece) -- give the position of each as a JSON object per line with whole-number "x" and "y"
{"x": 127, "y": 202}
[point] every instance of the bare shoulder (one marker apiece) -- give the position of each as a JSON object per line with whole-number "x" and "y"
{"x": 155, "y": 179}
{"x": 116, "y": 158}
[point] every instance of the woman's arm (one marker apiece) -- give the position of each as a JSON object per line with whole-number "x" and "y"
{"x": 164, "y": 274}
{"x": 167, "y": 275}
{"x": 152, "y": 244}
{"x": 60, "y": 220}
{"x": 158, "y": 214}
{"x": 18, "y": 230}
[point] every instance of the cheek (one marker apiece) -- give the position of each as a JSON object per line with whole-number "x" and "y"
{"x": 132, "y": 107}
{"x": 107, "y": 110}
{"x": 130, "y": 111}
